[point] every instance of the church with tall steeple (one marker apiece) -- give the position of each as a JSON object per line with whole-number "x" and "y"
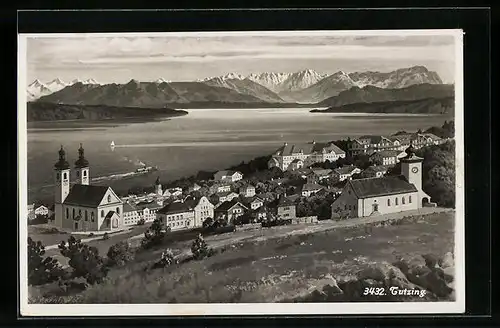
{"x": 80, "y": 206}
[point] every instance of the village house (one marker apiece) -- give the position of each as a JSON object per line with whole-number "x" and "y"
{"x": 375, "y": 171}
{"x": 385, "y": 157}
{"x": 247, "y": 191}
{"x": 84, "y": 207}
{"x": 147, "y": 210}
{"x": 388, "y": 194}
{"x": 31, "y": 212}
{"x": 193, "y": 187}
{"x": 42, "y": 210}
{"x": 222, "y": 197}
{"x": 254, "y": 202}
{"x": 398, "y": 142}
{"x": 228, "y": 175}
{"x": 309, "y": 189}
{"x": 286, "y": 209}
{"x": 260, "y": 214}
{"x": 177, "y": 216}
{"x": 345, "y": 172}
{"x": 230, "y": 210}
{"x": 202, "y": 207}
{"x": 172, "y": 192}
{"x": 319, "y": 174}
{"x": 296, "y": 156}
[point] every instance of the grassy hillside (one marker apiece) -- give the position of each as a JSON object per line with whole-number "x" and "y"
{"x": 41, "y": 111}
{"x": 269, "y": 265}
{"x": 420, "y": 106}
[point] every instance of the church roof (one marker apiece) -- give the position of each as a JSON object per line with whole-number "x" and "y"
{"x": 86, "y": 195}
{"x": 390, "y": 185}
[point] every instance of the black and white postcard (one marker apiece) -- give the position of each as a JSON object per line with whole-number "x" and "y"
{"x": 241, "y": 173}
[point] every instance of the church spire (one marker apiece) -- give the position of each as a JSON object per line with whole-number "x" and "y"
{"x": 62, "y": 163}
{"x": 82, "y": 161}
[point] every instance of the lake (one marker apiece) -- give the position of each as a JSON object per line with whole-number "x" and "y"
{"x": 205, "y": 139}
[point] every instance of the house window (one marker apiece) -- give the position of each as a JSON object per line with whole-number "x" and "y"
{"x": 345, "y": 207}
{"x": 86, "y": 216}
{"x": 73, "y": 213}
{"x": 117, "y": 210}
{"x": 409, "y": 199}
{"x": 65, "y": 175}
{"x": 102, "y": 213}
{"x": 84, "y": 173}
{"x": 388, "y": 202}
{"x": 396, "y": 201}
{"x": 79, "y": 212}
{"x": 109, "y": 198}
{"x": 402, "y": 200}
{"x": 92, "y": 216}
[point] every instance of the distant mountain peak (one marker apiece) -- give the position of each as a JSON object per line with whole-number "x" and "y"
{"x": 37, "y": 82}
{"x": 161, "y": 80}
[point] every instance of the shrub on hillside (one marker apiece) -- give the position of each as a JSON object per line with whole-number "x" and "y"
{"x": 200, "y": 249}
{"x": 167, "y": 258}
{"x": 41, "y": 270}
{"x": 154, "y": 235}
{"x": 119, "y": 254}
{"x": 84, "y": 261}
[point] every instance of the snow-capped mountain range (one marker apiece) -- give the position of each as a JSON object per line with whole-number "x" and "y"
{"x": 37, "y": 89}
{"x": 305, "y": 86}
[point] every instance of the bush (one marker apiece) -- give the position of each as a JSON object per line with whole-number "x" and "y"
{"x": 167, "y": 258}
{"x": 208, "y": 222}
{"x": 154, "y": 235}
{"x": 41, "y": 270}
{"x": 105, "y": 236}
{"x": 141, "y": 222}
{"x": 199, "y": 248}
{"x": 84, "y": 260}
{"x": 119, "y": 254}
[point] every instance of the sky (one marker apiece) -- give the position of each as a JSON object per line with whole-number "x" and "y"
{"x": 193, "y": 56}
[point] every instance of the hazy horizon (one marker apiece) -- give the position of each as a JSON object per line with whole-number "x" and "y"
{"x": 118, "y": 59}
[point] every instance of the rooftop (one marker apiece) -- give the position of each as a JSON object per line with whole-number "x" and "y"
{"x": 307, "y": 149}
{"x": 311, "y": 187}
{"x": 372, "y": 187}
{"x": 345, "y": 169}
{"x": 227, "y": 205}
{"x": 175, "y": 207}
{"x": 387, "y": 153}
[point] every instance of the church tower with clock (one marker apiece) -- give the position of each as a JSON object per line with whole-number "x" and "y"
{"x": 411, "y": 168}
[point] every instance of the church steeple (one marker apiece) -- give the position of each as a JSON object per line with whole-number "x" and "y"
{"x": 62, "y": 163}
{"x": 158, "y": 188}
{"x": 82, "y": 161}
{"x": 82, "y": 167}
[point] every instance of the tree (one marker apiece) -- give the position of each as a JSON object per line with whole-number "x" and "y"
{"x": 41, "y": 270}
{"x": 119, "y": 254}
{"x": 154, "y": 235}
{"x": 141, "y": 222}
{"x": 199, "y": 248}
{"x": 84, "y": 260}
{"x": 208, "y": 222}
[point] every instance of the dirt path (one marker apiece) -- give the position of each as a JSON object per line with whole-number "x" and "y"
{"x": 222, "y": 240}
